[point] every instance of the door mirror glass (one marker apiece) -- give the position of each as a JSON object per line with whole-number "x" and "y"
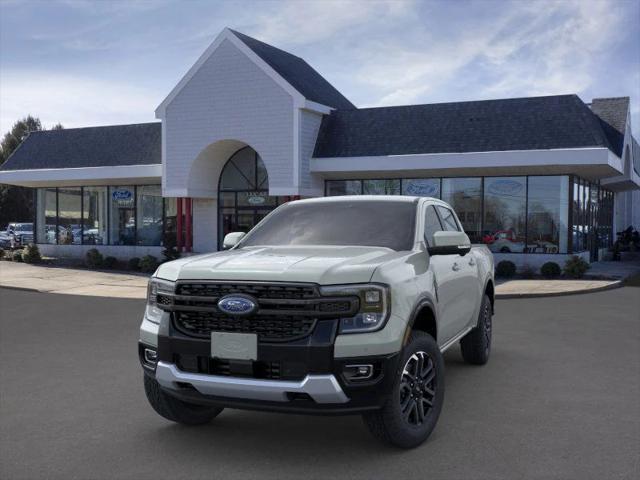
{"x": 450, "y": 243}
{"x": 232, "y": 239}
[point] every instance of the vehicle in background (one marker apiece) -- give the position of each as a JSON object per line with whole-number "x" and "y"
{"x": 16, "y": 235}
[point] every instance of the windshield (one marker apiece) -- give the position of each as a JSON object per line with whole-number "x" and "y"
{"x": 350, "y": 222}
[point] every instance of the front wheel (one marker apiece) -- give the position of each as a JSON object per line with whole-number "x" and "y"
{"x": 176, "y": 410}
{"x": 476, "y": 345}
{"x": 412, "y": 410}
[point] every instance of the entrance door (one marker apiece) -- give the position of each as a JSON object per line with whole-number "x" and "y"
{"x": 243, "y": 197}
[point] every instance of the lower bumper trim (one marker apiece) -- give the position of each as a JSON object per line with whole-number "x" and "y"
{"x": 321, "y": 388}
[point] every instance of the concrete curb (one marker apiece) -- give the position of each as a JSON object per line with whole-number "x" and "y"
{"x": 612, "y": 286}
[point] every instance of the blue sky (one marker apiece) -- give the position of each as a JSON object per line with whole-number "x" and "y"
{"x": 86, "y": 63}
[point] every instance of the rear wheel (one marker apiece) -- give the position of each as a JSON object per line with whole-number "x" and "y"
{"x": 176, "y": 410}
{"x": 411, "y": 412}
{"x": 476, "y": 345}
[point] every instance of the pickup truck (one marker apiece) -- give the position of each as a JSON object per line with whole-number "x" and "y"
{"x": 338, "y": 305}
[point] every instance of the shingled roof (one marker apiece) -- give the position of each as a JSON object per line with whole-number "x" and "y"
{"x": 534, "y": 123}
{"x": 110, "y": 146}
{"x": 613, "y": 115}
{"x": 298, "y": 73}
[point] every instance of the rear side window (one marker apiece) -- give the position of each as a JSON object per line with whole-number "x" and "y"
{"x": 431, "y": 224}
{"x": 448, "y": 220}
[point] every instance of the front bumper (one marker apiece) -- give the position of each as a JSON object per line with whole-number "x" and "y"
{"x": 307, "y": 379}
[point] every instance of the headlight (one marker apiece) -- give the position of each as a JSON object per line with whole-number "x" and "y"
{"x": 157, "y": 287}
{"x": 374, "y": 306}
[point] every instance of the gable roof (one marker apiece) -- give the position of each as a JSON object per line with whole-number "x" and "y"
{"x": 533, "y": 123}
{"x": 116, "y": 145}
{"x": 612, "y": 113}
{"x": 298, "y": 73}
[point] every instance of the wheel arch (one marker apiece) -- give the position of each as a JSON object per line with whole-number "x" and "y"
{"x": 423, "y": 318}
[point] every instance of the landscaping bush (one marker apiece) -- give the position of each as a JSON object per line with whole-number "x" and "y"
{"x": 576, "y": 267}
{"x": 505, "y": 269}
{"x": 148, "y": 264}
{"x": 110, "y": 262}
{"x": 17, "y": 256}
{"x": 94, "y": 258}
{"x": 551, "y": 270}
{"x": 527, "y": 271}
{"x": 31, "y": 254}
{"x": 134, "y": 264}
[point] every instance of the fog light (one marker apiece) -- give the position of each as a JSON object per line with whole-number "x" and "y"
{"x": 358, "y": 372}
{"x": 150, "y": 356}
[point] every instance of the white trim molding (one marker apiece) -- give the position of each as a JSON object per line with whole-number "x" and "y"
{"x": 599, "y": 161}
{"x": 59, "y": 177}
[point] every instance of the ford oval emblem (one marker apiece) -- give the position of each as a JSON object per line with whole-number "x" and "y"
{"x": 237, "y": 305}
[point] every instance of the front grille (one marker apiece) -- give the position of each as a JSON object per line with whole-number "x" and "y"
{"x": 274, "y": 328}
{"x": 285, "y": 311}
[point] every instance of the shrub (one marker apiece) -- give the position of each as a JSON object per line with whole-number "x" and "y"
{"x": 1, "y": 254}
{"x": 527, "y": 271}
{"x": 94, "y": 258}
{"x": 506, "y": 269}
{"x": 576, "y": 267}
{"x": 110, "y": 262}
{"x": 17, "y": 256}
{"x": 134, "y": 263}
{"x": 148, "y": 264}
{"x": 31, "y": 254}
{"x": 551, "y": 270}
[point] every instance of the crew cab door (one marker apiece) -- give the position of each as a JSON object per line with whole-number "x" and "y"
{"x": 455, "y": 276}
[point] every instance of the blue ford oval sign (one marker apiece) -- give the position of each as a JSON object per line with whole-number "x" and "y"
{"x": 237, "y": 305}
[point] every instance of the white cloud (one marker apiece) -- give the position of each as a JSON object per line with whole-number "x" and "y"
{"x": 73, "y": 101}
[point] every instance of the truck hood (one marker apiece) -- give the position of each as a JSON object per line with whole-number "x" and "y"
{"x": 322, "y": 265}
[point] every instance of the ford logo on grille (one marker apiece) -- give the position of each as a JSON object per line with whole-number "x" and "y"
{"x": 237, "y": 305}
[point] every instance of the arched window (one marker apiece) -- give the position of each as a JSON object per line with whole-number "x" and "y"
{"x": 243, "y": 193}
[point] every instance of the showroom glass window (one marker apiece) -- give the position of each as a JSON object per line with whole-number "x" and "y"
{"x": 505, "y": 214}
{"x": 94, "y": 215}
{"x": 381, "y": 187}
{"x": 421, "y": 187}
{"x": 70, "y": 216}
{"x": 46, "y": 215}
{"x": 465, "y": 196}
{"x": 343, "y": 187}
{"x": 122, "y": 221}
{"x": 149, "y": 215}
{"x": 547, "y": 216}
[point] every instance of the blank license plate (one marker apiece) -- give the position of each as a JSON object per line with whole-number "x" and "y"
{"x": 234, "y": 346}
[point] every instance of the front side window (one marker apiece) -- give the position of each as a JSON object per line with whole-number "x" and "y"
{"x": 431, "y": 224}
{"x": 448, "y": 219}
{"x": 350, "y": 223}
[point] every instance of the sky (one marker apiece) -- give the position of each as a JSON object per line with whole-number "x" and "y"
{"x": 104, "y": 62}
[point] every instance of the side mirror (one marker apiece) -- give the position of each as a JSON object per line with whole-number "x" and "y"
{"x": 232, "y": 239}
{"x": 450, "y": 243}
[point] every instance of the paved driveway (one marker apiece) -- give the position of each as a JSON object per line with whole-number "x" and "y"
{"x": 559, "y": 399}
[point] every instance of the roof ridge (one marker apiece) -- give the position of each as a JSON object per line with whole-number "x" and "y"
{"x": 97, "y": 126}
{"x": 471, "y": 101}
{"x": 240, "y": 34}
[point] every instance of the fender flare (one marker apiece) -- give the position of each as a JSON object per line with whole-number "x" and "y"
{"x": 423, "y": 301}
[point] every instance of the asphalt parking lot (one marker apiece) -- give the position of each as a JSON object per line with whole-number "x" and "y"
{"x": 558, "y": 399}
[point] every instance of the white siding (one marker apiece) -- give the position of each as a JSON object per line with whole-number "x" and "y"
{"x": 228, "y": 98}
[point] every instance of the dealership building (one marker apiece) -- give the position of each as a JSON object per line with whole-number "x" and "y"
{"x": 250, "y": 126}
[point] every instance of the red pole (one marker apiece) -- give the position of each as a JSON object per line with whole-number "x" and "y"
{"x": 187, "y": 214}
{"x": 179, "y": 224}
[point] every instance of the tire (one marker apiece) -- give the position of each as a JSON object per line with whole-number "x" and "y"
{"x": 400, "y": 422}
{"x": 476, "y": 345}
{"x": 176, "y": 410}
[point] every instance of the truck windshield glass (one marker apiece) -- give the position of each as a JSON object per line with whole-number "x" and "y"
{"x": 353, "y": 223}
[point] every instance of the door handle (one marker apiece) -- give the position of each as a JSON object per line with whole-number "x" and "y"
{"x": 455, "y": 267}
